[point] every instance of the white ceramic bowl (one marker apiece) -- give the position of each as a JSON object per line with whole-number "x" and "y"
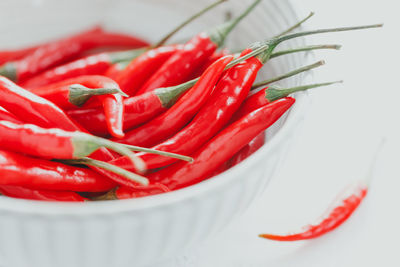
{"x": 138, "y": 232}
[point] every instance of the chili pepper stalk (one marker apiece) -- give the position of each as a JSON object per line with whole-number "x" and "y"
{"x": 274, "y": 93}
{"x": 56, "y": 143}
{"x": 295, "y": 26}
{"x": 112, "y": 168}
{"x": 159, "y": 152}
{"x": 79, "y": 94}
{"x": 289, "y": 74}
{"x": 305, "y": 49}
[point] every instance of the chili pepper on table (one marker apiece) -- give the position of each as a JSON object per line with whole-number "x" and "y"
{"x": 34, "y": 173}
{"x": 45, "y": 195}
{"x": 342, "y": 209}
{"x": 194, "y": 53}
{"x": 179, "y": 114}
{"x": 217, "y": 151}
{"x": 60, "y": 51}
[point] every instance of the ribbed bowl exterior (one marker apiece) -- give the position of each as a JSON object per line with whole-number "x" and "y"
{"x": 143, "y": 231}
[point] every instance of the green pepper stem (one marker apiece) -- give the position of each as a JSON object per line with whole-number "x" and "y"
{"x": 112, "y": 168}
{"x": 304, "y": 49}
{"x": 281, "y": 39}
{"x": 295, "y": 26}
{"x": 274, "y": 93}
{"x": 158, "y": 152}
{"x": 139, "y": 164}
{"x": 168, "y": 95}
{"x": 219, "y": 33}
{"x": 289, "y": 74}
{"x": 79, "y": 94}
{"x": 9, "y": 70}
{"x": 186, "y": 22}
{"x": 128, "y": 55}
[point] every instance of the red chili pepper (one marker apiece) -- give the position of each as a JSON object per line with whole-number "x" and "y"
{"x": 91, "y": 65}
{"x": 30, "y": 139}
{"x": 19, "y": 170}
{"x": 9, "y": 55}
{"x": 342, "y": 209}
{"x": 141, "y": 68}
{"x": 248, "y": 150}
{"x": 228, "y": 95}
{"x": 115, "y": 70}
{"x": 218, "y": 150}
{"x": 7, "y": 116}
{"x": 179, "y": 114}
{"x": 182, "y": 64}
{"x": 60, "y": 51}
{"x": 76, "y": 91}
{"x": 217, "y": 55}
{"x": 45, "y": 195}
{"x": 271, "y": 94}
{"x": 31, "y": 108}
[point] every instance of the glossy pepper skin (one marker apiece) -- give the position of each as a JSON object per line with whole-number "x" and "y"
{"x": 143, "y": 67}
{"x": 96, "y": 64}
{"x": 228, "y": 95}
{"x": 217, "y": 55}
{"x": 61, "y": 94}
{"x": 9, "y": 55}
{"x": 31, "y": 108}
{"x": 218, "y": 150}
{"x": 44, "y": 195}
{"x": 65, "y": 97}
{"x": 60, "y": 51}
{"x": 342, "y": 209}
{"x": 179, "y": 114}
{"x": 181, "y": 64}
{"x": 248, "y": 150}
{"x": 35, "y": 173}
{"x": 46, "y": 143}
{"x": 7, "y": 116}
{"x": 251, "y": 103}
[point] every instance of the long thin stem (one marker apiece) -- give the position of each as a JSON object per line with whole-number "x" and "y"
{"x": 289, "y": 74}
{"x": 186, "y": 22}
{"x": 281, "y": 39}
{"x": 295, "y": 26}
{"x": 304, "y": 49}
{"x": 274, "y": 93}
{"x": 139, "y": 164}
{"x": 158, "y": 152}
{"x": 109, "y": 167}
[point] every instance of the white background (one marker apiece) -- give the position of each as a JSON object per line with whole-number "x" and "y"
{"x": 335, "y": 147}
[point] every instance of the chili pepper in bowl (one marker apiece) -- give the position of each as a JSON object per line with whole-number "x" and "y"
{"x": 34, "y": 173}
{"x": 215, "y": 152}
{"x": 60, "y": 51}
{"x": 177, "y": 116}
{"x": 7, "y": 116}
{"x": 100, "y": 63}
{"x": 9, "y": 55}
{"x": 195, "y": 52}
{"x": 45, "y": 195}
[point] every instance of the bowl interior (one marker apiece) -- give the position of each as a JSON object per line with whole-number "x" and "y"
{"x": 32, "y": 21}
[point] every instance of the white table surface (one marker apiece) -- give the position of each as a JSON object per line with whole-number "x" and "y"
{"x": 334, "y": 148}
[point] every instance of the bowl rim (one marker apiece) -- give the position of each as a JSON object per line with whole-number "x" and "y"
{"x": 23, "y": 206}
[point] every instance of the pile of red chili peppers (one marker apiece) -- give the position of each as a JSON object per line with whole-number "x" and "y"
{"x": 190, "y": 111}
